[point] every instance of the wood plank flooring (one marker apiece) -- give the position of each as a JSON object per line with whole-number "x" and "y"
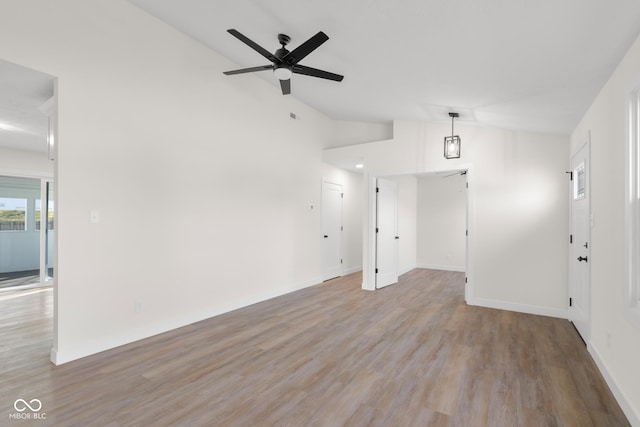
{"x": 21, "y": 278}
{"x": 411, "y": 354}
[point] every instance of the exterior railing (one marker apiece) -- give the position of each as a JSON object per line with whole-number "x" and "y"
{"x": 20, "y": 225}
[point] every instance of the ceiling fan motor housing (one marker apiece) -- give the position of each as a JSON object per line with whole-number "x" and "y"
{"x": 284, "y": 39}
{"x": 281, "y": 69}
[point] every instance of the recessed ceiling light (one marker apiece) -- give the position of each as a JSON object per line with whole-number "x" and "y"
{"x": 359, "y": 166}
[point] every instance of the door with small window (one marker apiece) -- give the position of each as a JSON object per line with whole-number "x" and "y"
{"x": 579, "y": 260}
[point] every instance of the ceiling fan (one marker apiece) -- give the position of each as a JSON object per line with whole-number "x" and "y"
{"x": 284, "y": 62}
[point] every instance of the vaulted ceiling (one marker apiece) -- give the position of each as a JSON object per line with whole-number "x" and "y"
{"x": 516, "y": 64}
{"x": 528, "y": 65}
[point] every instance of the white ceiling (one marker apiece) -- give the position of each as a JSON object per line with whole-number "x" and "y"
{"x": 517, "y": 64}
{"x": 23, "y": 91}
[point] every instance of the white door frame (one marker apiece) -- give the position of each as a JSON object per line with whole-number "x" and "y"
{"x": 585, "y": 326}
{"x": 369, "y": 221}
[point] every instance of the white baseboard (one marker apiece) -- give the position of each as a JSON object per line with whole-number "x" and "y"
{"x": 442, "y": 267}
{"x": 628, "y": 410}
{"x": 351, "y": 270}
{"x": 520, "y": 308}
{"x": 53, "y": 356}
{"x": 59, "y": 357}
{"x": 406, "y": 270}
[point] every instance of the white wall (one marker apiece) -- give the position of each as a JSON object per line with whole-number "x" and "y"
{"x": 25, "y": 163}
{"x": 351, "y": 216}
{"x": 442, "y": 222}
{"x": 348, "y": 132}
{"x": 605, "y": 119}
{"x": 518, "y": 255}
{"x": 154, "y": 137}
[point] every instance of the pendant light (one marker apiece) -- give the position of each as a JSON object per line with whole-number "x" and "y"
{"x": 452, "y": 143}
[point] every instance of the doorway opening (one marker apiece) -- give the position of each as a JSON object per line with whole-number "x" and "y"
{"x": 28, "y": 136}
{"x": 435, "y": 224}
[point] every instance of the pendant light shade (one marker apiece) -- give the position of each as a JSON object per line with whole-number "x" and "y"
{"x": 452, "y": 143}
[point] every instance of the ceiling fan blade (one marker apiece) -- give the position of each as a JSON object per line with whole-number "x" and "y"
{"x": 306, "y": 48}
{"x": 313, "y": 72}
{"x": 248, "y": 70}
{"x": 253, "y": 45}
{"x": 285, "y": 85}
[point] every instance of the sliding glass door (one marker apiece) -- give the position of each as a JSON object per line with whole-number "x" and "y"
{"x": 26, "y": 232}
{"x": 46, "y": 235}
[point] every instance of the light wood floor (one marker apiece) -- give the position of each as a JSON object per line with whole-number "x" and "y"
{"x": 21, "y": 278}
{"x": 412, "y": 354}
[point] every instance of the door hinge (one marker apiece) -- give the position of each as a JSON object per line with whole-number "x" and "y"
{"x": 340, "y": 261}
{"x": 376, "y": 271}
{"x": 466, "y": 232}
{"x": 570, "y": 302}
{"x": 377, "y": 190}
{"x": 465, "y": 280}
{"x": 570, "y": 175}
{"x": 342, "y": 195}
{"x": 376, "y": 229}
{"x": 341, "y": 229}
{"x": 467, "y": 185}
{"x": 570, "y": 238}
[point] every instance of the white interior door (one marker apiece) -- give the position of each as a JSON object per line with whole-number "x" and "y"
{"x": 331, "y": 230}
{"x": 579, "y": 267}
{"x": 386, "y": 233}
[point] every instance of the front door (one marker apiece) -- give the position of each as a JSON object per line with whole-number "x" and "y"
{"x": 579, "y": 262}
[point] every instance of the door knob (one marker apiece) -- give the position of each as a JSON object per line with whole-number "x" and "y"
{"x": 580, "y": 258}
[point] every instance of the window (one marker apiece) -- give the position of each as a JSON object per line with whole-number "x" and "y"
{"x": 50, "y": 214}
{"x": 632, "y": 214}
{"x": 579, "y": 183}
{"x": 13, "y": 214}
